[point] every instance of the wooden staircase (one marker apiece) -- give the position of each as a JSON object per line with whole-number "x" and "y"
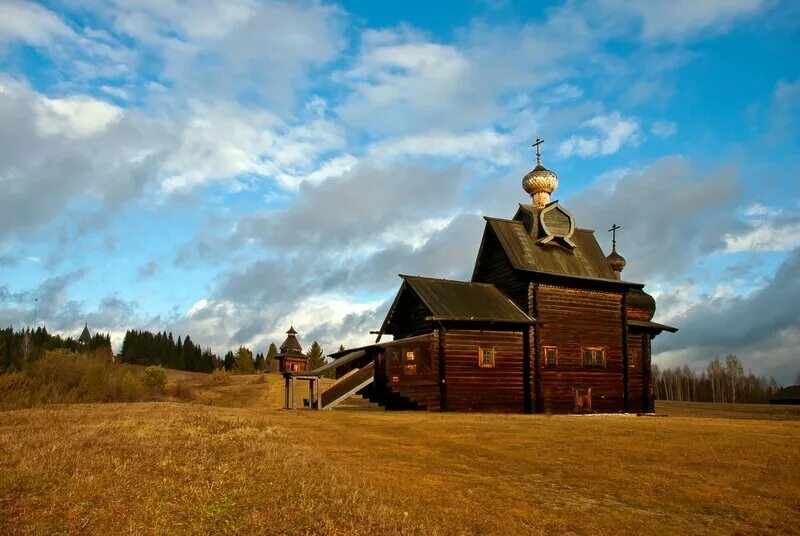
{"x": 347, "y": 386}
{"x": 361, "y": 379}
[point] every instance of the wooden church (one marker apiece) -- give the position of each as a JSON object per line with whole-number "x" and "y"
{"x": 547, "y": 324}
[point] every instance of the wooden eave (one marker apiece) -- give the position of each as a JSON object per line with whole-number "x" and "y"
{"x": 651, "y": 326}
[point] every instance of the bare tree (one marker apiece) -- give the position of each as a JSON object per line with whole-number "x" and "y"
{"x": 26, "y": 345}
{"x": 735, "y": 371}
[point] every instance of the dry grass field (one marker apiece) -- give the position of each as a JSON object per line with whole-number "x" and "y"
{"x": 232, "y": 462}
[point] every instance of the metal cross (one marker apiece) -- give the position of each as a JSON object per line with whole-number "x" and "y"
{"x": 613, "y": 232}
{"x": 539, "y": 141}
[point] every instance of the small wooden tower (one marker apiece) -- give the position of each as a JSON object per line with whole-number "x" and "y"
{"x": 291, "y": 357}
{"x": 85, "y": 337}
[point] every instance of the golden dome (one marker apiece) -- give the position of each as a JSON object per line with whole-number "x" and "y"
{"x": 616, "y": 261}
{"x": 540, "y": 182}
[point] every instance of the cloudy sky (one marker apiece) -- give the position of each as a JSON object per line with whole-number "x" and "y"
{"x": 225, "y": 169}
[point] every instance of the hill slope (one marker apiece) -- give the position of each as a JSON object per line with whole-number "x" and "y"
{"x": 233, "y": 462}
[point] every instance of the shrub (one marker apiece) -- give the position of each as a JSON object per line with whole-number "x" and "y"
{"x": 183, "y": 391}
{"x": 155, "y": 377}
{"x": 220, "y": 377}
{"x": 130, "y": 387}
{"x": 15, "y": 391}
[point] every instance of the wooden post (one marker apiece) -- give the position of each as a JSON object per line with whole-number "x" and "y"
{"x": 311, "y": 394}
{"x": 286, "y": 392}
{"x": 442, "y": 369}
{"x": 319, "y": 393}
{"x": 294, "y": 392}
{"x": 626, "y": 365}
{"x": 537, "y": 343}
{"x": 526, "y": 369}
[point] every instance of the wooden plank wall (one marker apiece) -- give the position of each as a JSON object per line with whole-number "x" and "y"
{"x": 495, "y": 268}
{"x": 420, "y": 388}
{"x": 571, "y": 319}
{"x": 635, "y": 377}
{"x": 474, "y": 388}
{"x": 409, "y": 318}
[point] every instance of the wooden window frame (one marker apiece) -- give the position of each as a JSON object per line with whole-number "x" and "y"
{"x": 594, "y": 363}
{"x": 414, "y": 356}
{"x": 481, "y": 364}
{"x": 555, "y": 348}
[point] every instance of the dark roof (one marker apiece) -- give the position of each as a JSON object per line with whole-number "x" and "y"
{"x": 85, "y": 335}
{"x": 464, "y": 301}
{"x": 586, "y": 260}
{"x": 787, "y": 394}
{"x": 651, "y": 325}
{"x": 641, "y": 300}
{"x": 291, "y": 345}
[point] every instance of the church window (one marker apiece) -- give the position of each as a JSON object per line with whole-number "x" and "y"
{"x": 410, "y": 362}
{"x": 485, "y": 356}
{"x": 594, "y": 357}
{"x": 550, "y": 356}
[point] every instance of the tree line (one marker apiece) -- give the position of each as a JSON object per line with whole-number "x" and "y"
{"x": 720, "y": 382}
{"x": 147, "y": 348}
{"x": 238, "y": 361}
{"x": 26, "y": 345}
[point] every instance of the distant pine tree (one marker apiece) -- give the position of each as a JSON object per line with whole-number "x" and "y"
{"x": 260, "y": 361}
{"x": 230, "y": 361}
{"x": 316, "y": 356}
{"x": 271, "y": 353}
{"x": 244, "y": 361}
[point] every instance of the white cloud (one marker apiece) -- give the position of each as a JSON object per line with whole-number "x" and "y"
{"x": 613, "y": 132}
{"x": 30, "y": 22}
{"x": 79, "y": 115}
{"x": 767, "y": 229}
{"x": 331, "y": 169}
{"x": 226, "y": 141}
{"x": 562, "y": 93}
{"x": 264, "y": 48}
{"x": 484, "y": 144}
{"x": 678, "y": 19}
{"x": 664, "y": 129}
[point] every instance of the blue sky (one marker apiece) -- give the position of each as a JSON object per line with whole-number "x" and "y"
{"x": 225, "y": 169}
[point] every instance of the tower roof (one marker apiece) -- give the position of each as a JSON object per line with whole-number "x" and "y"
{"x": 85, "y": 335}
{"x": 291, "y": 345}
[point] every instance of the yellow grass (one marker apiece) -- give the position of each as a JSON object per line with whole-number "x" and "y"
{"x": 232, "y": 462}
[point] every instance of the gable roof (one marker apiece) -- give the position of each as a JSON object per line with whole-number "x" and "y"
{"x": 586, "y": 260}
{"x": 464, "y": 300}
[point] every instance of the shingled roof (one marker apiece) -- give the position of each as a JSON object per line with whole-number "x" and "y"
{"x": 585, "y": 260}
{"x": 464, "y": 301}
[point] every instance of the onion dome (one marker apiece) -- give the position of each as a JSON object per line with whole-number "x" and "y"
{"x": 540, "y": 182}
{"x": 641, "y": 303}
{"x": 616, "y": 261}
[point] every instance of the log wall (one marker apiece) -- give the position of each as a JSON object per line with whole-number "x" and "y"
{"x": 636, "y": 373}
{"x": 470, "y": 387}
{"x": 494, "y": 267}
{"x": 572, "y": 319}
{"x": 422, "y": 387}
